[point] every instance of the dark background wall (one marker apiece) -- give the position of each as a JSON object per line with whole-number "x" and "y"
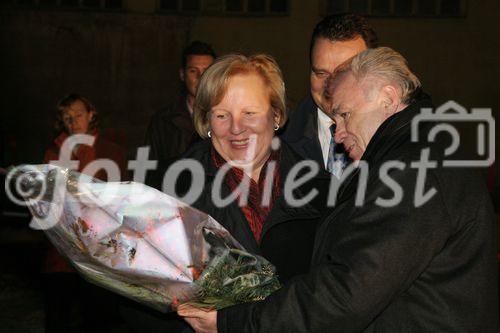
{"x": 127, "y": 64}
{"x": 127, "y": 61}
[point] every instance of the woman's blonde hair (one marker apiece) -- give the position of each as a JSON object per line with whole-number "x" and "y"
{"x": 215, "y": 79}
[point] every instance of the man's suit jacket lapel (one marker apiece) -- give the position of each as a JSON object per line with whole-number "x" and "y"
{"x": 302, "y": 131}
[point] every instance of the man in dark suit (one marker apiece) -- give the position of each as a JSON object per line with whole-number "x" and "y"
{"x": 417, "y": 254}
{"x": 309, "y": 130}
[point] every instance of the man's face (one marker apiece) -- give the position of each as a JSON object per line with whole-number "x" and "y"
{"x": 195, "y": 66}
{"x": 356, "y": 115}
{"x": 325, "y": 57}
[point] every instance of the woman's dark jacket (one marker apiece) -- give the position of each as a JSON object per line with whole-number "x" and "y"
{"x": 287, "y": 236}
{"x": 288, "y": 232}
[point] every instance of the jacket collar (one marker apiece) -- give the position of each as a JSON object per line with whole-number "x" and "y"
{"x": 394, "y": 127}
{"x": 390, "y": 132}
{"x": 303, "y": 131}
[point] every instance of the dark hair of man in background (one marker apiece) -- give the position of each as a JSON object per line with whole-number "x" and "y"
{"x": 343, "y": 27}
{"x": 197, "y": 48}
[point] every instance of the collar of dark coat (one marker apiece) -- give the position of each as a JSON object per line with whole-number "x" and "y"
{"x": 393, "y": 130}
{"x": 282, "y": 211}
{"x": 302, "y": 130}
{"x": 305, "y": 121}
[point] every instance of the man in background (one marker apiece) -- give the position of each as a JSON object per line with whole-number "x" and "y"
{"x": 310, "y": 131}
{"x": 171, "y": 129}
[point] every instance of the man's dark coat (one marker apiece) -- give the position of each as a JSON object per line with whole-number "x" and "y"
{"x": 170, "y": 132}
{"x": 301, "y": 131}
{"x": 402, "y": 268}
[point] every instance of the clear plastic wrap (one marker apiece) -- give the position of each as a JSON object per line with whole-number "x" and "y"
{"x": 142, "y": 243}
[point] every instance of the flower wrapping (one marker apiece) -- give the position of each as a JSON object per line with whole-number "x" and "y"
{"x": 142, "y": 243}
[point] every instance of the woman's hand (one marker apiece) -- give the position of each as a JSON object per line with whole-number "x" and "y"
{"x": 202, "y": 321}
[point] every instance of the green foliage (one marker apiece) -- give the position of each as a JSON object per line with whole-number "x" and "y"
{"x": 234, "y": 276}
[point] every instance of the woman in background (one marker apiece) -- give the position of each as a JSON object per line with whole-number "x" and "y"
{"x": 77, "y": 115}
{"x": 66, "y": 294}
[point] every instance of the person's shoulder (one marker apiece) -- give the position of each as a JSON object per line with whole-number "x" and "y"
{"x": 105, "y": 144}
{"x": 307, "y": 103}
{"x": 162, "y": 111}
{"x": 299, "y": 118}
{"x": 172, "y": 109}
{"x": 199, "y": 150}
{"x": 288, "y": 154}
{"x": 53, "y": 147}
{"x": 316, "y": 178}
{"x": 199, "y": 154}
{"x": 305, "y": 106}
{"x": 290, "y": 158}
{"x": 51, "y": 153}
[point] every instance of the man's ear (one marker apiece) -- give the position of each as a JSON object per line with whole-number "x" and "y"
{"x": 181, "y": 74}
{"x": 390, "y": 99}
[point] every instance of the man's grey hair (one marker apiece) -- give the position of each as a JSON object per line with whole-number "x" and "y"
{"x": 381, "y": 66}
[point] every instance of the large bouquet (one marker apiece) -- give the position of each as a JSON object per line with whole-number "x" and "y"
{"x": 142, "y": 243}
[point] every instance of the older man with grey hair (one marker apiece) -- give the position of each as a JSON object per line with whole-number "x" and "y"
{"x": 415, "y": 255}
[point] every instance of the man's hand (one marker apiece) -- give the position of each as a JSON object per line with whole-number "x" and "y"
{"x": 202, "y": 321}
